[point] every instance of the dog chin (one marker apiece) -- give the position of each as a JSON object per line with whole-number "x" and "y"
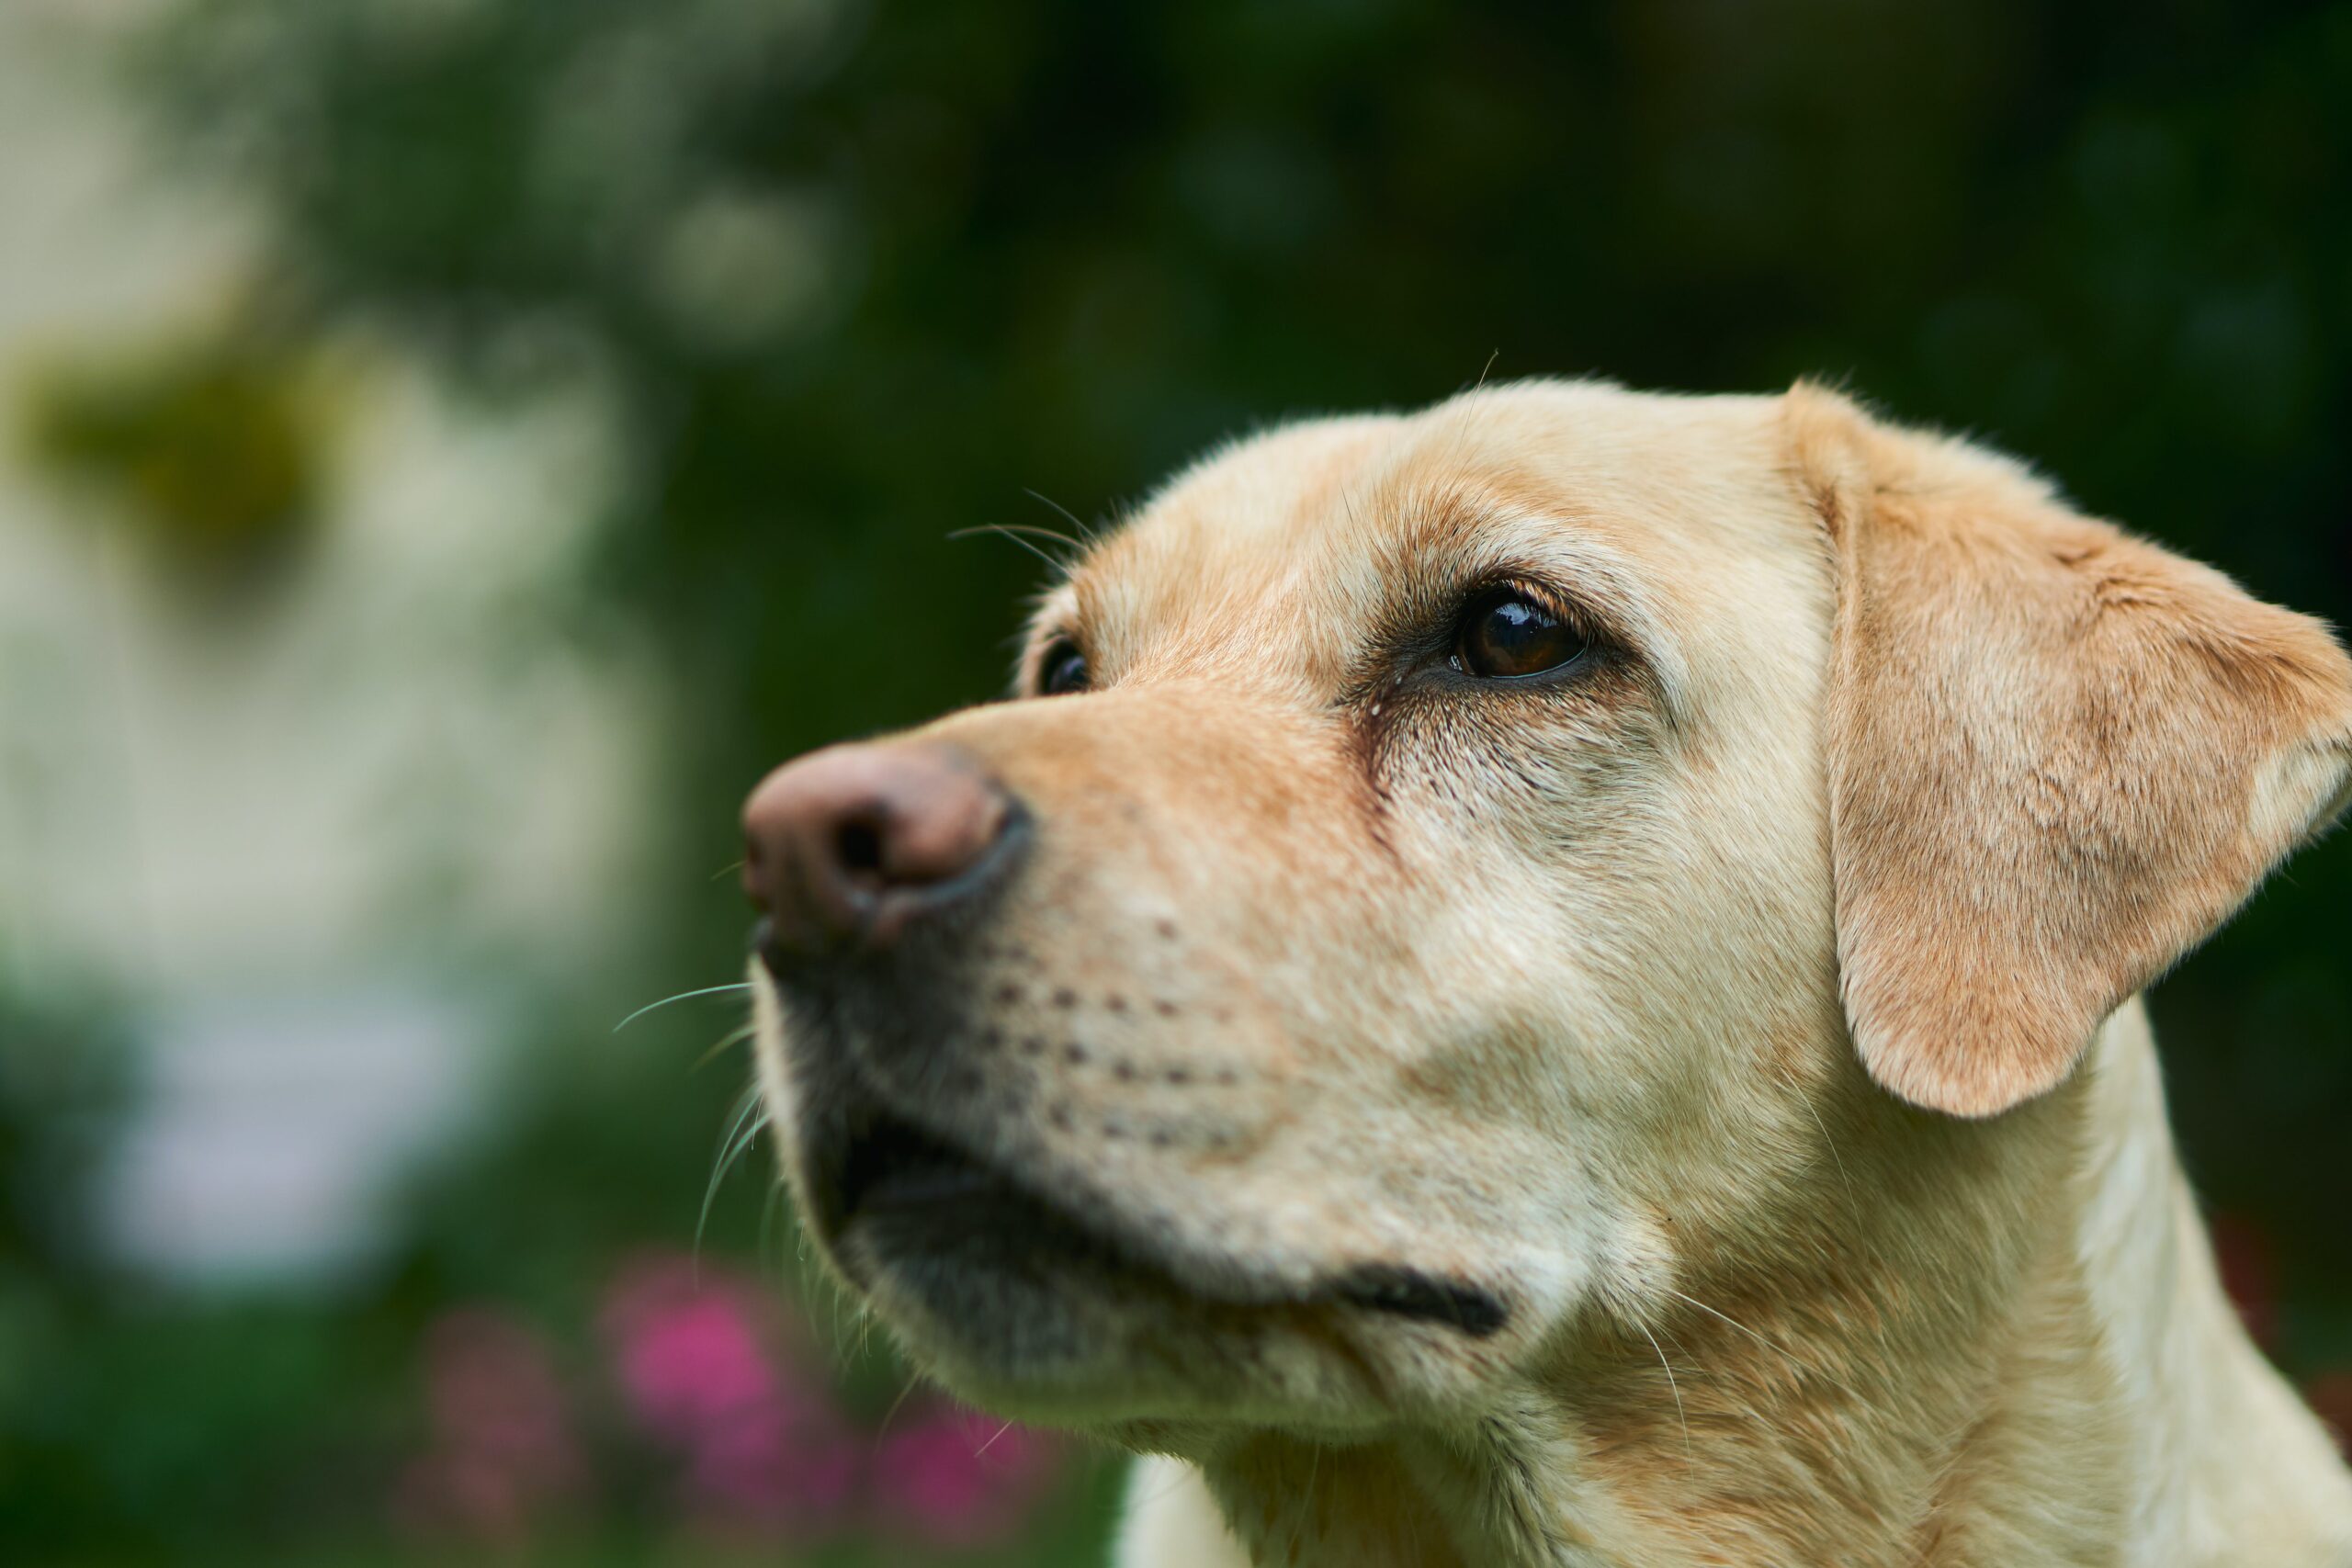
{"x": 986, "y": 1274}
{"x": 1083, "y": 1348}
{"x": 1027, "y": 1341}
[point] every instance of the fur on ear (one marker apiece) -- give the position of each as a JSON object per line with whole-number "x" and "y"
{"x": 2058, "y": 756}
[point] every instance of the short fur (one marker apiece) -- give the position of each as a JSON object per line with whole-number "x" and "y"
{"x": 1750, "y": 1013}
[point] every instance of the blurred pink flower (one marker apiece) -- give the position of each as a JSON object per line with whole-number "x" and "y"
{"x": 956, "y": 1478}
{"x": 762, "y": 1444}
{"x": 502, "y": 1451}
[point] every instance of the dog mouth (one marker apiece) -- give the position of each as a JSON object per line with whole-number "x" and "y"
{"x": 907, "y": 1191}
{"x": 894, "y": 1198}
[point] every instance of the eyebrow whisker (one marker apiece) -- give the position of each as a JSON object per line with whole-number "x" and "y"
{"x": 1033, "y": 531}
{"x": 1017, "y": 532}
{"x": 1086, "y": 533}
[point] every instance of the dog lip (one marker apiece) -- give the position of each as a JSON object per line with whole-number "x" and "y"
{"x": 890, "y": 1171}
{"x": 890, "y": 1163}
{"x": 914, "y": 1187}
{"x": 1408, "y": 1292}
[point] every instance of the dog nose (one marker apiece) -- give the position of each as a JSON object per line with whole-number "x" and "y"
{"x": 857, "y": 840}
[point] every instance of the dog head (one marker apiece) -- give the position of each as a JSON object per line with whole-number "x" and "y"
{"x": 1439, "y": 874}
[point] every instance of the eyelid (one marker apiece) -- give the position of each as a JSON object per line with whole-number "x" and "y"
{"x": 1560, "y": 605}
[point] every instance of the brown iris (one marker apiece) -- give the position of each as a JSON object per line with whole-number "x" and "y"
{"x": 1506, "y": 635}
{"x": 1062, "y": 670}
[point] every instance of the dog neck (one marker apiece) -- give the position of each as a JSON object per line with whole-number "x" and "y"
{"x": 2017, "y": 1351}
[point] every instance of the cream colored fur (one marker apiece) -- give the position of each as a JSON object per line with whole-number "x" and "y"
{"x": 1752, "y": 1014}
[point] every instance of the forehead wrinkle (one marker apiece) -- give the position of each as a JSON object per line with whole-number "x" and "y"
{"x": 1227, "y": 570}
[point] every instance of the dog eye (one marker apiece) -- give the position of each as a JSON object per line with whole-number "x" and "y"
{"x": 1506, "y": 635}
{"x": 1062, "y": 670}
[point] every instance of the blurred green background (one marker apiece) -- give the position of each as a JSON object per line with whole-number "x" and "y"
{"x": 455, "y": 446}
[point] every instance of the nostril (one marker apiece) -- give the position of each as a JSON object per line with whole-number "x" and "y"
{"x": 857, "y": 848}
{"x": 857, "y": 841}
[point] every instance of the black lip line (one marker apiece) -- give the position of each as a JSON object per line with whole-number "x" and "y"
{"x": 1408, "y": 1292}
{"x": 1392, "y": 1289}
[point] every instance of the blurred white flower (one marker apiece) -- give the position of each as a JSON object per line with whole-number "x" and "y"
{"x": 734, "y": 269}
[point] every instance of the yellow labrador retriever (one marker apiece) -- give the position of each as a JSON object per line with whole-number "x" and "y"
{"x": 1553, "y": 981}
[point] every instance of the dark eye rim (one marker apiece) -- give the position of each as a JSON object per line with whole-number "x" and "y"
{"x": 1482, "y": 599}
{"x": 1060, "y": 653}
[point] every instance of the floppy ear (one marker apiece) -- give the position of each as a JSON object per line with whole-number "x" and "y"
{"x": 2058, "y": 757}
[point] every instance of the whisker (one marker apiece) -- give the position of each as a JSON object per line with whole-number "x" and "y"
{"x": 732, "y": 1037}
{"x": 865, "y": 1322}
{"x": 1084, "y": 532}
{"x": 914, "y": 1380}
{"x": 1792, "y": 1357}
{"x": 838, "y": 1351}
{"x": 1306, "y": 1508}
{"x": 1834, "y": 1159}
{"x": 984, "y": 1448}
{"x": 1013, "y": 534}
{"x": 1854, "y": 1201}
{"x": 681, "y": 996}
{"x": 1035, "y": 532}
{"x": 751, "y": 1120}
{"x": 1672, "y": 1387}
{"x": 1168, "y": 1489}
